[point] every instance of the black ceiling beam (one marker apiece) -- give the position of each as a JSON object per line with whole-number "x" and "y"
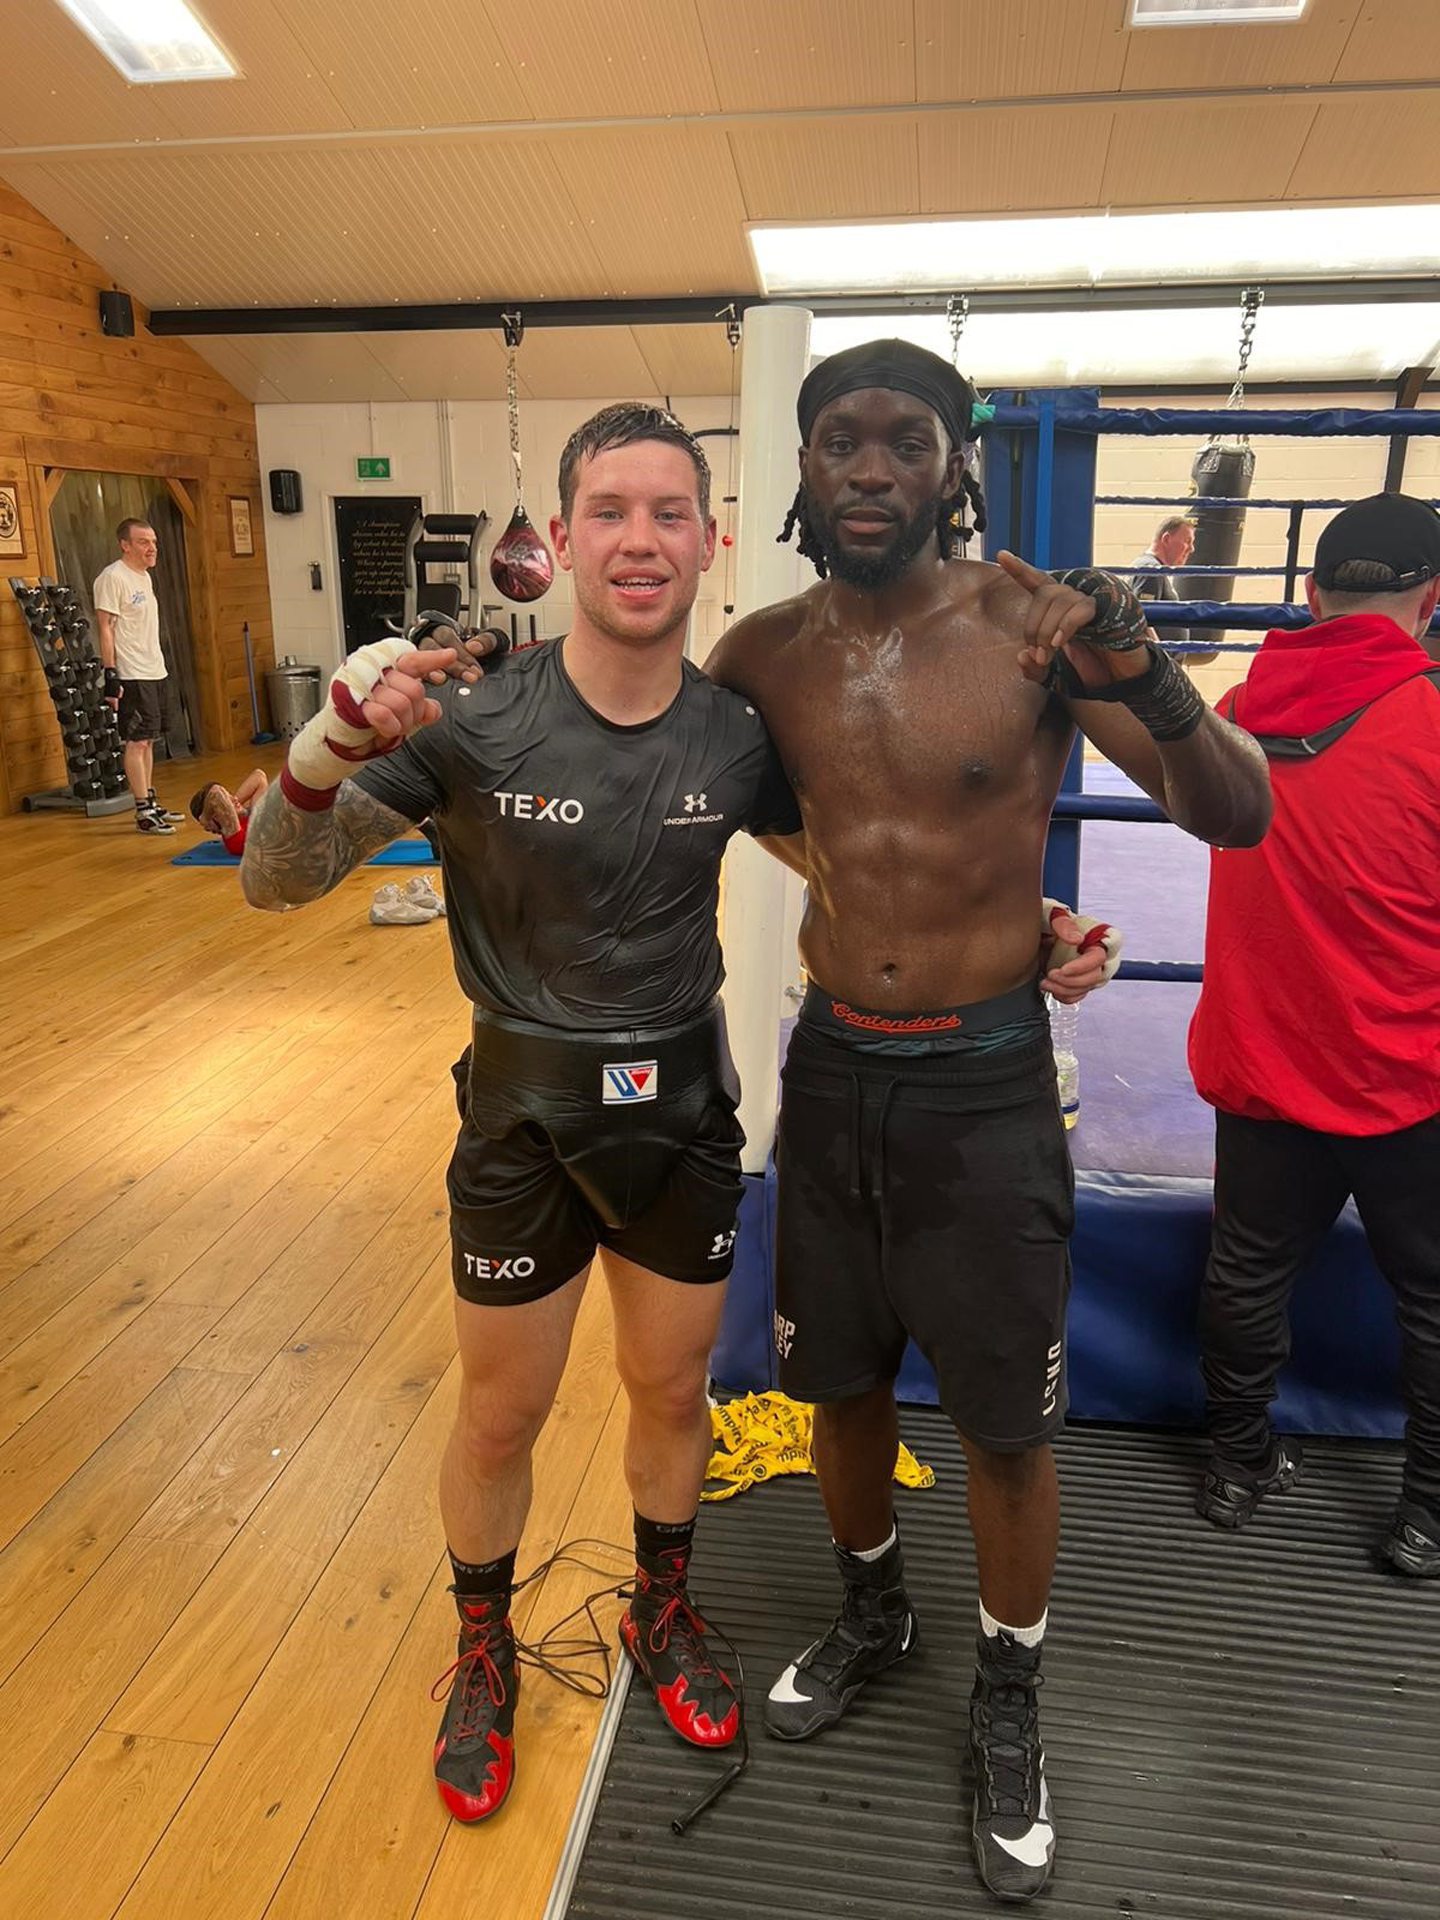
{"x": 710, "y": 309}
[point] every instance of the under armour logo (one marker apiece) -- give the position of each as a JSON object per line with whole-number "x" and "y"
{"x": 695, "y": 802}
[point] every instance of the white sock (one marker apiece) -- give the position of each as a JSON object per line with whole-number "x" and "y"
{"x": 874, "y": 1553}
{"x": 1023, "y": 1636}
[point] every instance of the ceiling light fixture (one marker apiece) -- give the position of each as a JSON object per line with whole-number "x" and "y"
{"x": 1183, "y": 248}
{"x": 1368, "y": 341}
{"x": 151, "y": 40}
{"x": 1212, "y": 13}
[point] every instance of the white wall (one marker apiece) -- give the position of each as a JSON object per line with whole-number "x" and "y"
{"x": 322, "y": 442}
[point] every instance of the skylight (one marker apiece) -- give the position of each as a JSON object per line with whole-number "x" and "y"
{"x": 151, "y": 40}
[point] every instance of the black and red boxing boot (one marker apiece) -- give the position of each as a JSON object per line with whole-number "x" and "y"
{"x": 475, "y": 1747}
{"x": 666, "y": 1638}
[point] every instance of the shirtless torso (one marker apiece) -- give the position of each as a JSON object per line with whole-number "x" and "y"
{"x": 926, "y": 765}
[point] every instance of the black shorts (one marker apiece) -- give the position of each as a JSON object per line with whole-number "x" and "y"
{"x": 569, "y": 1142}
{"x": 139, "y": 715}
{"x": 933, "y": 1197}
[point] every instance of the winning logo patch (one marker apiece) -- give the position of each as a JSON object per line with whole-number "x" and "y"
{"x": 621, "y": 1083}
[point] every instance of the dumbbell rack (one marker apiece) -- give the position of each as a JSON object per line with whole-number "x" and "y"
{"x": 94, "y": 752}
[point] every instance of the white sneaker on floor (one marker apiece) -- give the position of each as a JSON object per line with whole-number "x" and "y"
{"x": 390, "y": 908}
{"x": 420, "y": 892}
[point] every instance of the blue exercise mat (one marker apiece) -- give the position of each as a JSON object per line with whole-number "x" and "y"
{"x": 400, "y": 853}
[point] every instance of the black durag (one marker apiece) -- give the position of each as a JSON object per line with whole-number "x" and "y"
{"x": 901, "y": 367}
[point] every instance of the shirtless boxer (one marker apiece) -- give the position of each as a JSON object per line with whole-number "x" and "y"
{"x": 924, "y": 706}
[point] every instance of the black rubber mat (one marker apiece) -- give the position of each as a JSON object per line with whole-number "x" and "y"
{"x": 1238, "y": 1727}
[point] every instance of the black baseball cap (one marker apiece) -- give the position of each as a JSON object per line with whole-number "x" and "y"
{"x": 1391, "y": 530}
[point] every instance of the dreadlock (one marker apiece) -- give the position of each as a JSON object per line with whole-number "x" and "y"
{"x": 950, "y": 526}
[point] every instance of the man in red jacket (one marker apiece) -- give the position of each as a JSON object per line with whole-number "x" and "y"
{"x": 1317, "y": 1034}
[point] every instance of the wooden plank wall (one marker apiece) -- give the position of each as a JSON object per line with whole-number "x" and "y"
{"x": 71, "y": 397}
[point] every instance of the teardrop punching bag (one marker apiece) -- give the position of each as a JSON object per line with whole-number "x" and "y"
{"x": 521, "y": 565}
{"x": 1225, "y": 470}
{"x": 520, "y": 562}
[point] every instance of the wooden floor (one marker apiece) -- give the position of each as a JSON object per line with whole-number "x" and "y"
{"x": 226, "y": 1374}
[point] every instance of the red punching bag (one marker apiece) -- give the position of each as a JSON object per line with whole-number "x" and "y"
{"x": 520, "y": 562}
{"x": 521, "y": 565}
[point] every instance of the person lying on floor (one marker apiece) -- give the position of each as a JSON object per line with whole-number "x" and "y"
{"x": 227, "y": 814}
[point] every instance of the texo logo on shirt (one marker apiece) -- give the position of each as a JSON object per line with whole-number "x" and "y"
{"x": 534, "y": 806}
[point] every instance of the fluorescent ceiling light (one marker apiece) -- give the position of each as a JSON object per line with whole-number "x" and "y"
{"x": 1168, "y": 346}
{"x": 1096, "y": 249}
{"x": 151, "y": 40}
{"x": 1210, "y": 13}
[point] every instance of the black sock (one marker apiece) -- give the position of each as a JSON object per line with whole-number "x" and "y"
{"x": 654, "y": 1537}
{"x": 483, "y": 1580}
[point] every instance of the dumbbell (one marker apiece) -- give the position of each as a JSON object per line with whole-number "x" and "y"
{"x": 87, "y": 789}
{"x": 76, "y": 734}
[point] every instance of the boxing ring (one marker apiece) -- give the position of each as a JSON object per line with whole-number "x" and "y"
{"x": 1142, "y": 1148}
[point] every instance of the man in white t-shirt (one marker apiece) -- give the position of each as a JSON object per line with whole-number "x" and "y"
{"x": 129, "y": 629}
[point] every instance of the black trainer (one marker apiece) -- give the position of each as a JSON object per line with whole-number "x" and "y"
{"x": 158, "y": 806}
{"x": 1230, "y": 1494}
{"x": 1013, "y": 1824}
{"x": 475, "y": 1747}
{"x": 666, "y": 1638}
{"x": 874, "y": 1628}
{"x": 1413, "y": 1543}
{"x": 148, "y": 821}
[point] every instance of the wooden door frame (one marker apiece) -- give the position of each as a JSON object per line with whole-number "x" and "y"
{"x": 185, "y": 475}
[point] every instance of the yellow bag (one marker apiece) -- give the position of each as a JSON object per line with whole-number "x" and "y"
{"x": 766, "y": 1435}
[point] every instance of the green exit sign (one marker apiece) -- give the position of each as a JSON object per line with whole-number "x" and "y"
{"x": 376, "y": 467}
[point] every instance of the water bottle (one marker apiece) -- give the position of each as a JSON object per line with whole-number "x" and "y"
{"x": 1064, "y": 1022}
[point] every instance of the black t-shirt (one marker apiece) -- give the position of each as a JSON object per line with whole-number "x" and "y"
{"x": 581, "y": 858}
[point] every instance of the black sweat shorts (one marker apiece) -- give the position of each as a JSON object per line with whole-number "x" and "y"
{"x": 139, "y": 716}
{"x": 569, "y": 1142}
{"x": 932, "y": 1197}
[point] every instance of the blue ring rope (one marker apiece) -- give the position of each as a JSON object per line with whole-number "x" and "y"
{"x": 1314, "y": 424}
{"x": 1214, "y": 500}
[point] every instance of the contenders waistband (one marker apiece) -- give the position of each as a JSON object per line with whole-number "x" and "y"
{"x": 1009, "y": 1019}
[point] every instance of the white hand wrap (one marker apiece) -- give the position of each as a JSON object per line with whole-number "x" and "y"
{"x": 1096, "y": 933}
{"x": 329, "y": 747}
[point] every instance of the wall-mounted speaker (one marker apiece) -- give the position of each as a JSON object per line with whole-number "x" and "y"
{"x": 117, "y": 315}
{"x": 285, "y": 495}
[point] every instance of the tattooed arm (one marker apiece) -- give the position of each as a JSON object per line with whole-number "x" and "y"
{"x": 292, "y": 856}
{"x": 316, "y": 824}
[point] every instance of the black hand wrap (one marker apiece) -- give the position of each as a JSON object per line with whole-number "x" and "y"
{"x": 1163, "y": 698}
{"x": 112, "y": 684}
{"x": 1119, "y": 622}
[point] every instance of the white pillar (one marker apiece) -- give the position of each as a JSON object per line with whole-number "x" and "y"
{"x": 760, "y": 899}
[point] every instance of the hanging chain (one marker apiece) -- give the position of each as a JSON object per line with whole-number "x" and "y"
{"x": 514, "y": 328}
{"x": 1251, "y": 301}
{"x": 957, "y": 312}
{"x": 732, "y": 340}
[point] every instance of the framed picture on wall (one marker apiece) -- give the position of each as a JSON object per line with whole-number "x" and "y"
{"x": 242, "y": 534}
{"x": 12, "y": 534}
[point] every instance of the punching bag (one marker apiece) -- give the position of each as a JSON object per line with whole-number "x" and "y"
{"x": 1226, "y": 470}
{"x": 520, "y": 562}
